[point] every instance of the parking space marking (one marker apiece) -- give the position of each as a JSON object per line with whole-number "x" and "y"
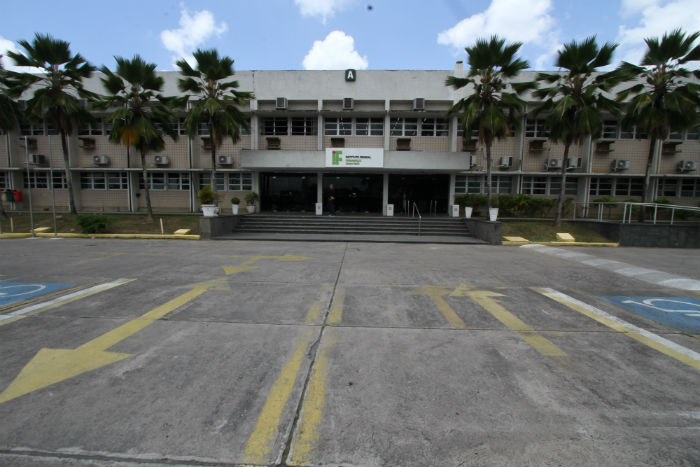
{"x": 11, "y": 292}
{"x": 314, "y": 313}
{"x": 56, "y": 302}
{"x": 678, "y": 312}
{"x": 336, "y": 315}
{"x": 436, "y": 293}
{"x": 486, "y": 299}
{"x": 650, "y": 339}
{"x": 262, "y": 439}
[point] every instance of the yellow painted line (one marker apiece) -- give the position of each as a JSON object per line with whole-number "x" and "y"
{"x": 336, "y": 315}
{"x": 576, "y": 244}
{"x": 650, "y": 339}
{"x": 314, "y": 313}
{"x": 130, "y": 236}
{"x": 100, "y": 258}
{"x": 266, "y": 430}
{"x": 436, "y": 293}
{"x": 50, "y": 366}
{"x": 486, "y": 299}
{"x": 59, "y": 301}
{"x": 312, "y": 414}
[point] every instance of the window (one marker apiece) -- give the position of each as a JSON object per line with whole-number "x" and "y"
{"x": 468, "y": 184}
{"x": 94, "y": 129}
{"x": 203, "y": 129}
{"x": 629, "y": 186}
{"x": 601, "y": 186}
{"x": 369, "y": 126}
{"x": 92, "y": 181}
{"x": 241, "y": 181}
{"x": 434, "y": 127}
{"x": 304, "y": 126}
{"x": 117, "y": 181}
{"x": 26, "y": 129}
{"x": 475, "y": 184}
{"x": 693, "y": 133}
{"x": 534, "y": 185}
{"x": 50, "y": 130}
{"x": 555, "y": 186}
{"x": 338, "y": 126}
{"x": 59, "y": 180}
{"x": 178, "y": 181}
{"x": 536, "y": 129}
{"x": 274, "y": 126}
{"x": 219, "y": 181}
{"x": 3, "y": 179}
{"x": 668, "y": 187}
{"x": 690, "y": 187}
{"x": 36, "y": 180}
{"x": 675, "y": 134}
{"x": 610, "y": 129}
{"x": 401, "y": 126}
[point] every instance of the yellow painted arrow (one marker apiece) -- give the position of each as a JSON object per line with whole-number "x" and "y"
{"x": 436, "y": 293}
{"x": 246, "y": 266}
{"x": 50, "y": 366}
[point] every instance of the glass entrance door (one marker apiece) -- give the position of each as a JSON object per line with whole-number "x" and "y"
{"x": 429, "y": 192}
{"x": 353, "y": 193}
{"x": 288, "y": 192}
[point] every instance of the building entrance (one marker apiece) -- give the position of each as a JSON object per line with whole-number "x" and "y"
{"x": 353, "y": 193}
{"x": 288, "y": 192}
{"x": 429, "y": 192}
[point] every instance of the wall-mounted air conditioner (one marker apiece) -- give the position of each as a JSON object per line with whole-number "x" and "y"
{"x": 225, "y": 160}
{"x": 552, "y": 164}
{"x": 348, "y": 103}
{"x": 505, "y": 162}
{"x": 687, "y": 166}
{"x": 619, "y": 164}
{"x": 161, "y": 160}
{"x": 36, "y": 159}
{"x": 100, "y": 159}
{"x": 574, "y": 163}
{"x": 419, "y": 103}
{"x": 281, "y": 103}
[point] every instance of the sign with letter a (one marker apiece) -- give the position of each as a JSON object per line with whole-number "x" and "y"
{"x": 350, "y": 75}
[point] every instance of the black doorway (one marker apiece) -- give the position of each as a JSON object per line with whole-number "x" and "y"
{"x": 353, "y": 193}
{"x": 429, "y": 192}
{"x": 288, "y": 192}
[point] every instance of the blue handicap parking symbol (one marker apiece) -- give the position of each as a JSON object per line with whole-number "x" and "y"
{"x": 677, "y": 312}
{"x": 15, "y": 291}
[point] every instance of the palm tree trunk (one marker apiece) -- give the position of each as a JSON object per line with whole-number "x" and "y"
{"x": 560, "y": 202}
{"x": 145, "y": 186}
{"x": 2, "y": 209}
{"x": 69, "y": 174}
{"x": 213, "y": 164}
{"x": 647, "y": 177}
{"x": 488, "y": 175}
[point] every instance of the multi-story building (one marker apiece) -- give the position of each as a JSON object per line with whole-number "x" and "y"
{"x": 375, "y": 138}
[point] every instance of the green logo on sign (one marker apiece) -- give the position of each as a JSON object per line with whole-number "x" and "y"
{"x": 336, "y": 157}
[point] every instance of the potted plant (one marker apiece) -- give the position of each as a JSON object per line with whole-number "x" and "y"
{"x": 464, "y": 201}
{"x": 207, "y": 199}
{"x": 250, "y": 200}
{"x": 234, "y": 205}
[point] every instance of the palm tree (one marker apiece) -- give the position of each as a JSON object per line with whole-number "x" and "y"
{"x": 215, "y": 100}
{"x": 142, "y": 114}
{"x": 56, "y": 92}
{"x": 491, "y": 108}
{"x": 9, "y": 114}
{"x": 575, "y": 98}
{"x": 661, "y": 97}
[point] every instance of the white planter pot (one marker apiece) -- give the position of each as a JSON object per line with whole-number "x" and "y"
{"x": 468, "y": 212}
{"x": 493, "y": 214}
{"x": 251, "y": 208}
{"x": 210, "y": 210}
{"x": 234, "y": 208}
{"x": 455, "y": 210}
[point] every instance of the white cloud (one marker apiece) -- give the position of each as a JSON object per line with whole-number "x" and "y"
{"x": 654, "y": 18}
{"x": 322, "y": 9}
{"x": 526, "y": 21}
{"x": 8, "y": 63}
{"x": 195, "y": 29}
{"x": 335, "y": 52}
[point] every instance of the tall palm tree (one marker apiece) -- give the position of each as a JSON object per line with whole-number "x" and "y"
{"x": 9, "y": 114}
{"x": 575, "y": 100}
{"x": 56, "y": 92}
{"x": 215, "y": 100}
{"x": 141, "y": 114}
{"x": 661, "y": 97}
{"x": 491, "y": 108}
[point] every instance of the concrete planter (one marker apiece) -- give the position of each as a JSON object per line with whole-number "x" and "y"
{"x": 468, "y": 212}
{"x": 210, "y": 210}
{"x": 251, "y": 209}
{"x": 493, "y": 214}
{"x": 234, "y": 208}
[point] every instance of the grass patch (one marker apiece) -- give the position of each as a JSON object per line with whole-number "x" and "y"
{"x": 546, "y": 232}
{"x": 116, "y": 223}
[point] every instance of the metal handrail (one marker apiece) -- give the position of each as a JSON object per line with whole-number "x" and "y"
{"x": 420, "y": 218}
{"x": 627, "y": 209}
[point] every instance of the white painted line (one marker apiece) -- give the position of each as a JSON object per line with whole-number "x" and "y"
{"x": 643, "y": 332}
{"x": 65, "y": 298}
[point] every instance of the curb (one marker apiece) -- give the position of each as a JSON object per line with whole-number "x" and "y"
{"x": 126, "y": 236}
{"x": 507, "y": 243}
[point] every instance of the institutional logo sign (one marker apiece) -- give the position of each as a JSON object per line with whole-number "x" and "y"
{"x": 355, "y": 157}
{"x": 350, "y": 75}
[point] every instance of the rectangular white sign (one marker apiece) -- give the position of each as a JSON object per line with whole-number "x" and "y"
{"x": 355, "y": 157}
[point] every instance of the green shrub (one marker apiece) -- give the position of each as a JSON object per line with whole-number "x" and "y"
{"x": 92, "y": 223}
{"x": 235, "y": 200}
{"x": 251, "y": 198}
{"x": 206, "y": 195}
{"x": 662, "y": 201}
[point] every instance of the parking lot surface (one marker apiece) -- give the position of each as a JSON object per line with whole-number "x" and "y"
{"x": 347, "y": 354}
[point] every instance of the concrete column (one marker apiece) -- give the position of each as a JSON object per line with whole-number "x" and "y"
{"x": 320, "y": 125}
{"x": 451, "y": 194}
{"x": 133, "y": 178}
{"x": 385, "y": 193}
{"x": 387, "y": 124}
{"x": 254, "y": 131}
{"x": 454, "y": 121}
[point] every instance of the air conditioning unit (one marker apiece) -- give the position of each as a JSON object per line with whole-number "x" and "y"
{"x": 505, "y": 162}
{"x": 419, "y": 103}
{"x": 348, "y": 103}
{"x": 687, "y": 166}
{"x": 161, "y": 160}
{"x": 100, "y": 159}
{"x": 472, "y": 161}
{"x": 36, "y": 159}
{"x": 619, "y": 164}
{"x": 574, "y": 163}
{"x": 225, "y": 160}
{"x": 552, "y": 163}
{"x": 281, "y": 103}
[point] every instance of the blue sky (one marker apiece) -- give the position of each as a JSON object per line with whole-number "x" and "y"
{"x": 338, "y": 34}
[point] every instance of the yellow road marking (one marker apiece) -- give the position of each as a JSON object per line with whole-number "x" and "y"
{"x": 50, "y": 366}
{"x": 308, "y": 431}
{"x": 658, "y": 343}
{"x": 314, "y": 313}
{"x": 486, "y": 300}
{"x": 247, "y": 265}
{"x": 336, "y": 314}
{"x": 266, "y": 430}
{"x": 100, "y": 258}
{"x": 436, "y": 293}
